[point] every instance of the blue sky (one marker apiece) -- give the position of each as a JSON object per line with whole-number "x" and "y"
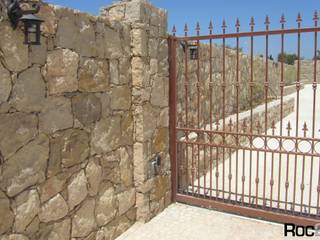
{"x": 187, "y": 11}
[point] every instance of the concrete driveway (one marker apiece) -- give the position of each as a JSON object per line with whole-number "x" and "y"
{"x": 301, "y": 175}
{"x": 183, "y": 222}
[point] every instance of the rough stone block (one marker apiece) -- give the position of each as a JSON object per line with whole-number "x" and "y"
{"x": 83, "y": 221}
{"x": 15, "y": 131}
{"x": 139, "y": 42}
{"x": 5, "y": 83}
{"x": 28, "y": 205}
{"x": 94, "y": 176}
{"x": 126, "y": 200}
{"x": 56, "y": 208}
{"x": 77, "y": 189}
{"x": 15, "y": 53}
{"x": 93, "y": 76}
{"x": 5, "y": 213}
{"x": 55, "y": 115}
{"x": 106, "y": 135}
{"x": 25, "y": 168}
{"x": 29, "y": 91}
{"x": 106, "y": 208}
{"x": 121, "y": 98}
{"x": 86, "y": 108}
{"x": 61, "y": 71}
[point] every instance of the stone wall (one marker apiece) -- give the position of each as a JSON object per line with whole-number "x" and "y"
{"x": 81, "y": 118}
{"x": 150, "y": 92}
{"x": 307, "y": 71}
{"x": 258, "y": 97}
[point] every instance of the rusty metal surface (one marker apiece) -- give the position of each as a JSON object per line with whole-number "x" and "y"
{"x": 221, "y": 161}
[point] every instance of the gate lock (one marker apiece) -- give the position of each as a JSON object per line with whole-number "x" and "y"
{"x": 155, "y": 164}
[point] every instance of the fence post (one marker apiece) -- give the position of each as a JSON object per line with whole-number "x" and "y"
{"x": 172, "y": 114}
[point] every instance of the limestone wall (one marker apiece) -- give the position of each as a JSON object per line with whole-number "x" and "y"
{"x": 258, "y": 97}
{"x": 81, "y": 118}
{"x": 307, "y": 71}
{"x": 150, "y": 92}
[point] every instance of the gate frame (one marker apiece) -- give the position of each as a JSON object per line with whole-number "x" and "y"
{"x": 172, "y": 44}
{"x": 220, "y": 205}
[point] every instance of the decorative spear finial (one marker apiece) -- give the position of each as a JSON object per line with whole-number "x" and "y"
{"x": 217, "y": 124}
{"x": 210, "y": 27}
{"x": 315, "y": 18}
{"x": 237, "y": 23}
{"x": 299, "y": 20}
{"x": 186, "y": 29}
{"x": 273, "y": 127}
{"x": 230, "y": 124}
{"x": 289, "y": 128}
{"x": 198, "y": 28}
{"x": 258, "y": 127}
{"x": 305, "y": 129}
{"x": 252, "y": 23}
{"x": 282, "y": 21}
{"x": 224, "y": 25}
{"x": 267, "y": 22}
{"x": 244, "y": 125}
{"x": 174, "y": 30}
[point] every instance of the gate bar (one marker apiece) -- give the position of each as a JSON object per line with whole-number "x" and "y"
{"x": 249, "y": 34}
{"x": 278, "y": 217}
{"x": 172, "y": 116}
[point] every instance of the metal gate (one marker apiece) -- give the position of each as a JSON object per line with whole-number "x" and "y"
{"x": 235, "y": 143}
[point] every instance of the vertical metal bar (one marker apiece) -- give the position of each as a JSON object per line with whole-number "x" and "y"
{"x": 187, "y": 166}
{"x": 198, "y": 102}
{"x": 297, "y": 114}
{"x": 318, "y": 191}
{"x": 172, "y": 104}
{"x": 204, "y": 169}
{"x": 230, "y": 174}
{"x": 272, "y": 168}
{"x": 180, "y": 167}
{"x": 211, "y": 119}
{"x": 282, "y": 21}
{"x": 305, "y": 129}
{"x": 314, "y": 86}
{"x": 223, "y": 104}
{"x": 217, "y": 172}
{"x": 251, "y": 108}
{"x": 238, "y": 110}
{"x": 271, "y": 179}
{"x": 186, "y": 85}
{"x": 287, "y": 171}
{"x": 193, "y": 168}
{"x": 230, "y": 162}
{"x": 243, "y": 178}
{"x": 266, "y": 86}
{"x": 257, "y": 179}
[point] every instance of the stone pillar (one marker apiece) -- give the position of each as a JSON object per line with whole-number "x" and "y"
{"x": 149, "y": 63}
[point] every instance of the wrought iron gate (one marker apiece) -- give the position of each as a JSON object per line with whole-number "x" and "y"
{"x": 241, "y": 157}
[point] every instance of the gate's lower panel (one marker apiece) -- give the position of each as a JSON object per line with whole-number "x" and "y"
{"x": 280, "y": 217}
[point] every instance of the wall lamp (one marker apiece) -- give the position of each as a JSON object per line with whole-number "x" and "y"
{"x": 193, "y": 49}
{"x": 30, "y": 21}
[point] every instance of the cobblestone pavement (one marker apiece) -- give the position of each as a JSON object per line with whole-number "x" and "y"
{"x": 183, "y": 222}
